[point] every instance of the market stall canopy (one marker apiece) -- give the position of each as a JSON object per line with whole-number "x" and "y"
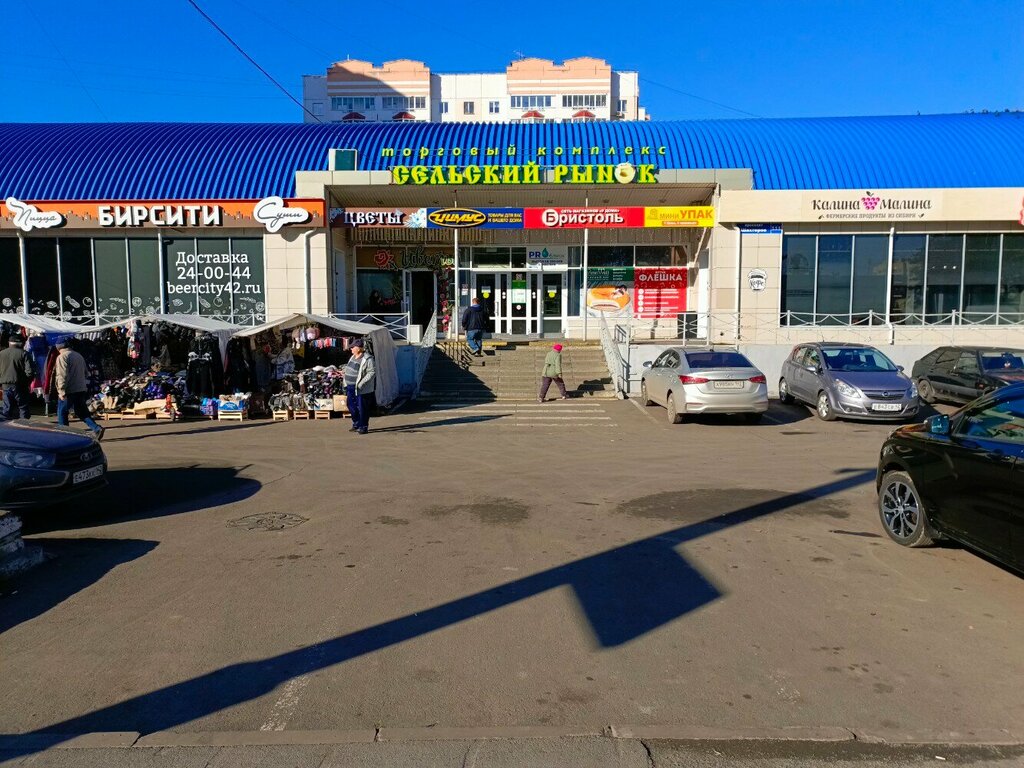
{"x": 222, "y": 330}
{"x": 384, "y": 354}
{"x": 42, "y": 323}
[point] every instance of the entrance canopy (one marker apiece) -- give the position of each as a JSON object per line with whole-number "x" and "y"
{"x": 383, "y": 345}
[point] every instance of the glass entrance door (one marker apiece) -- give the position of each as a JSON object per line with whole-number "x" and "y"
{"x": 552, "y": 303}
{"x": 490, "y": 288}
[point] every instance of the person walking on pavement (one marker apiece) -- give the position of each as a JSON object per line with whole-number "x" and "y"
{"x": 474, "y": 321}
{"x": 72, "y": 387}
{"x": 17, "y": 369}
{"x": 552, "y": 372}
{"x": 360, "y": 383}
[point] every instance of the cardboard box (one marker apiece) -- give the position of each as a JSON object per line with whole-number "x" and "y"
{"x": 324, "y": 404}
{"x": 340, "y": 403}
{"x": 150, "y": 405}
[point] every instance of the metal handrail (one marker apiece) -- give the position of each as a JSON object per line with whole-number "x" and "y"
{"x": 617, "y": 366}
{"x": 424, "y": 351}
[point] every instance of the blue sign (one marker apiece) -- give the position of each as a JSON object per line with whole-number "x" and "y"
{"x": 761, "y": 229}
{"x": 474, "y": 218}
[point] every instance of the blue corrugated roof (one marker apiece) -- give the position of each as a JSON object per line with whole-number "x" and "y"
{"x": 89, "y": 161}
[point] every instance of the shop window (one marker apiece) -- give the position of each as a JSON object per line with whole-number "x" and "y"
{"x": 41, "y": 271}
{"x": 610, "y": 256}
{"x": 112, "y": 278}
{"x": 575, "y": 289}
{"x": 942, "y": 282}
{"x": 144, "y": 273}
{"x": 11, "y": 299}
{"x": 798, "y": 258}
{"x": 870, "y": 278}
{"x": 213, "y": 277}
{"x": 518, "y": 258}
{"x": 379, "y": 291}
{"x": 1011, "y": 287}
{"x": 180, "y": 276}
{"x": 492, "y": 257}
{"x": 660, "y": 256}
{"x": 835, "y": 262}
{"x": 75, "y": 259}
{"x": 907, "y": 283}
{"x": 247, "y": 281}
{"x": 981, "y": 278}
{"x": 575, "y": 256}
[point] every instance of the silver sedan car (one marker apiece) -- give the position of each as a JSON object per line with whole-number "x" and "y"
{"x": 693, "y": 381}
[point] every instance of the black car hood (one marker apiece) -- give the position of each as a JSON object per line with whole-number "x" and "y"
{"x": 26, "y": 435}
{"x": 1007, "y": 377}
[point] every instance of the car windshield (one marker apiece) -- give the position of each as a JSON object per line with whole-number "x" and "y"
{"x": 1011, "y": 360}
{"x": 717, "y": 360}
{"x": 857, "y": 359}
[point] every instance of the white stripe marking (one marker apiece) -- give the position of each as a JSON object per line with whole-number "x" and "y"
{"x": 286, "y": 704}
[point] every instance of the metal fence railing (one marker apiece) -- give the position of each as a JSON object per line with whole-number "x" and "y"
{"x": 397, "y": 323}
{"x": 618, "y": 366}
{"x": 423, "y": 352}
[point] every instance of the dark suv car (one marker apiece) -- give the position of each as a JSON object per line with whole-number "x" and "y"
{"x": 961, "y": 374}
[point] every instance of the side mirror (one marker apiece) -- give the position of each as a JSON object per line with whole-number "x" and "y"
{"x": 648, "y": 363}
{"x": 938, "y": 425}
{"x": 818, "y": 370}
{"x": 900, "y": 368}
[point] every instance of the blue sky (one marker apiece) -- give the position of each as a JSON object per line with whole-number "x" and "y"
{"x": 160, "y": 60}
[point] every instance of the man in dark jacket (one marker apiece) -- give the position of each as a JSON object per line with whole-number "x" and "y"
{"x": 17, "y": 369}
{"x": 474, "y": 321}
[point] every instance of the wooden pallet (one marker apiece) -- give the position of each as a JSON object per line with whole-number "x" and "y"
{"x": 167, "y": 415}
{"x": 302, "y": 414}
{"x": 144, "y": 416}
{"x": 232, "y": 415}
{"x": 318, "y": 415}
{"x": 282, "y": 415}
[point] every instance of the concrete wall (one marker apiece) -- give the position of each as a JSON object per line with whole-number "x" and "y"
{"x": 292, "y": 256}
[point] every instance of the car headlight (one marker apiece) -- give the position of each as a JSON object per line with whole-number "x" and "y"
{"x": 912, "y": 392}
{"x": 845, "y": 389}
{"x": 27, "y": 459}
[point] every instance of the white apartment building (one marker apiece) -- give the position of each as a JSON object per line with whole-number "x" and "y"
{"x": 529, "y": 90}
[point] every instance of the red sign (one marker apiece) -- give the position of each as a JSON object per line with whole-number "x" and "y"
{"x": 660, "y": 292}
{"x": 580, "y": 218}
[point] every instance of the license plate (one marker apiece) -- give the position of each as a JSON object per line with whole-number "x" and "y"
{"x": 887, "y": 407}
{"x": 84, "y": 475}
{"x": 728, "y": 385}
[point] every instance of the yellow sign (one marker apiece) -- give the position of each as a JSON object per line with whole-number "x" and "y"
{"x": 457, "y": 217}
{"x": 684, "y": 216}
{"x": 623, "y": 173}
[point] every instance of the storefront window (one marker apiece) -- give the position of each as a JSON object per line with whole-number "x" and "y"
{"x": 41, "y": 267}
{"x": 835, "y": 261}
{"x": 493, "y": 257}
{"x": 870, "y": 277}
{"x": 575, "y": 289}
{"x": 575, "y": 256}
{"x": 942, "y": 287}
{"x": 518, "y": 258}
{"x": 1011, "y": 288}
{"x": 145, "y": 276}
{"x": 75, "y": 256}
{"x": 247, "y": 272}
{"x": 981, "y": 277}
{"x": 179, "y": 276}
{"x": 610, "y": 256}
{"x": 907, "y": 287}
{"x": 660, "y": 256}
{"x": 379, "y": 291}
{"x": 10, "y": 275}
{"x": 112, "y": 279}
{"x": 798, "y": 258}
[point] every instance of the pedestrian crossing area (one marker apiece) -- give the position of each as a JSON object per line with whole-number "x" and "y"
{"x": 558, "y": 414}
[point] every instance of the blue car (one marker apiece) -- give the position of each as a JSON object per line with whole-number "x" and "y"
{"x": 43, "y": 464}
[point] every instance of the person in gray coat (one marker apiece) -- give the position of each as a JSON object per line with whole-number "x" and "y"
{"x": 72, "y": 388}
{"x": 360, "y": 383}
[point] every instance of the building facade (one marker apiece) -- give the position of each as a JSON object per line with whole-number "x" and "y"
{"x": 529, "y": 90}
{"x": 905, "y": 232}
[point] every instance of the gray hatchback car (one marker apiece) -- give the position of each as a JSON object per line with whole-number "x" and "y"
{"x": 852, "y": 381}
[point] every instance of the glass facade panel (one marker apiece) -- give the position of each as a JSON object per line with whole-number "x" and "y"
{"x": 870, "y": 277}
{"x": 575, "y": 256}
{"x": 379, "y": 291}
{"x": 942, "y": 286}
{"x": 145, "y": 276}
{"x": 835, "y": 260}
{"x": 656, "y": 256}
{"x": 491, "y": 257}
{"x": 247, "y": 280}
{"x": 1011, "y": 287}
{"x": 907, "y": 287}
{"x": 179, "y": 276}
{"x": 575, "y": 289}
{"x": 41, "y": 269}
{"x": 981, "y": 278}
{"x": 798, "y": 259}
{"x": 11, "y": 299}
{"x": 610, "y": 256}
{"x": 76, "y": 278}
{"x": 518, "y": 258}
{"x": 111, "y": 279}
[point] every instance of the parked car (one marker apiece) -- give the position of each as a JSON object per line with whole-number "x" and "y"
{"x": 692, "y": 381}
{"x": 959, "y": 476}
{"x": 854, "y": 381}
{"x": 962, "y": 374}
{"x": 42, "y": 464}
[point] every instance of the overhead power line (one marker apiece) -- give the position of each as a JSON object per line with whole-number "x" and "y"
{"x": 252, "y": 60}
{"x": 699, "y": 98}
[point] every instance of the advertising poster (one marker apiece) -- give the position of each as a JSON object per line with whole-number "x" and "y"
{"x": 610, "y": 292}
{"x": 659, "y": 292}
{"x": 580, "y": 218}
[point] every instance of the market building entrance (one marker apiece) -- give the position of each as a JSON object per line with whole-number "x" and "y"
{"x": 522, "y": 303}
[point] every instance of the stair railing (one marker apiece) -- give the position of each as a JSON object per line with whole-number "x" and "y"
{"x": 617, "y": 366}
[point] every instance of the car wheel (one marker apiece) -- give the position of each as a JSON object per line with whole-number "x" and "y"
{"x": 670, "y": 407}
{"x": 753, "y": 418}
{"x": 824, "y": 409}
{"x": 925, "y": 390}
{"x": 901, "y": 511}
{"x": 784, "y": 396}
{"x": 644, "y": 399}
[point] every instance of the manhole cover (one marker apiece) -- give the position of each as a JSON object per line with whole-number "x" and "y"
{"x": 271, "y": 521}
